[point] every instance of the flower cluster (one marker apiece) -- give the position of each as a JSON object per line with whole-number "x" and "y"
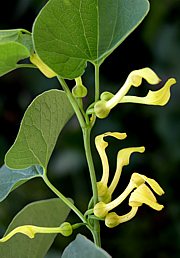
{"x": 159, "y": 97}
{"x": 139, "y": 188}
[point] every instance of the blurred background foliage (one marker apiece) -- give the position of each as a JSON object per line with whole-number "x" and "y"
{"x": 155, "y": 43}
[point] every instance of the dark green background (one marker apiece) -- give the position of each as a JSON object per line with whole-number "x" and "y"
{"x": 156, "y": 43}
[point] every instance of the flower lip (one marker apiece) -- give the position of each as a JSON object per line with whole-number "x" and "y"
{"x": 143, "y": 195}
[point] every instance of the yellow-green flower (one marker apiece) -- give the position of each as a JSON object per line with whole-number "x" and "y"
{"x": 104, "y": 191}
{"x": 101, "y": 146}
{"x": 79, "y": 90}
{"x": 29, "y": 230}
{"x": 113, "y": 219}
{"x": 35, "y": 59}
{"x": 141, "y": 195}
{"x": 159, "y": 97}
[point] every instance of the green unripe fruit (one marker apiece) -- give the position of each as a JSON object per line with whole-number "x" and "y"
{"x": 112, "y": 220}
{"x": 66, "y": 229}
{"x": 101, "y": 110}
{"x": 106, "y": 95}
{"x": 100, "y": 210}
{"x": 79, "y": 91}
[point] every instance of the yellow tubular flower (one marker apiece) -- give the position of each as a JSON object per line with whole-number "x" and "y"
{"x": 29, "y": 230}
{"x": 112, "y": 219}
{"x": 134, "y": 79}
{"x": 159, "y": 97}
{"x": 101, "y": 147}
{"x": 143, "y": 195}
{"x": 101, "y": 209}
{"x": 123, "y": 160}
{"x": 35, "y": 59}
{"x": 139, "y": 196}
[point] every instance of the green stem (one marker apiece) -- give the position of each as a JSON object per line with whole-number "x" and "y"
{"x": 64, "y": 199}
{"x": 86, "y": 138}
{"x": 73, "y": 102}
{"x": 26, "y": 66}
{"x": 86, "y": 129}
{"x": 96, "y": 82}
{"x": 87, "y": 147}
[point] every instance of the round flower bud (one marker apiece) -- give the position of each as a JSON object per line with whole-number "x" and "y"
{"x": 112, "y": 220}
{"x": 100, "y": 210}
{"x": 66, "y": 229}
{"x": 79, "y": 91}
{"x": 101, "y": 110}
{"x": 106, "y": 95}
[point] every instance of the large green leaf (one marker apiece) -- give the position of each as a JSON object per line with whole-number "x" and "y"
{"x": 11, "y": 179}
{"x": 39, "y": 130}
{"x": 68, "y": 33}
{"x": 48, "y": 213}
{"x": 81, "y": 247}
{"x": 15, "y": 45}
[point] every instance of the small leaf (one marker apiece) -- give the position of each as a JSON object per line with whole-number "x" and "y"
{"x": 15, "y": 45}
{"x": 82, "y": 247}
{"x": 95, "y": 29}
{"x": 48, "y": 213}
{"x": 18, "y": 35}
{"x": 11, "y": 179}
{"x": 39, "y": 130}
{"x": 10, "y": 54}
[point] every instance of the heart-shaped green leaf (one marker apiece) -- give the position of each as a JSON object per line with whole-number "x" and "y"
{"x": 82, "y": 247}
{"x": 15, "y": 45}
{"x": 68, "y": 33}
{"x": 39, "y": 130}
{"x": 48, "y": 213}
{"x": 11, "y": 179}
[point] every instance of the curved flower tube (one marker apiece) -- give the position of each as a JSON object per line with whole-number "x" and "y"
{"x": 101, "y": 146}
{"x": 35, "y": 59}
{"x": 29, "y": 230}
{"x": 141, "y": 195}
{"x": 159, "y": 97}
{"x": 112, "y": 219}
{"x": 123, "y": 158}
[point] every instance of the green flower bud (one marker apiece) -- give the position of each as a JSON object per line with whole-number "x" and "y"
{"x": 79, "y": 91}
{"x": 100, "y": 210}
{"x": 112, "y": 220}
{"x": 101, "y": 110}
{"x": 106, "y": 95}
{"x": 66, "y": 229}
